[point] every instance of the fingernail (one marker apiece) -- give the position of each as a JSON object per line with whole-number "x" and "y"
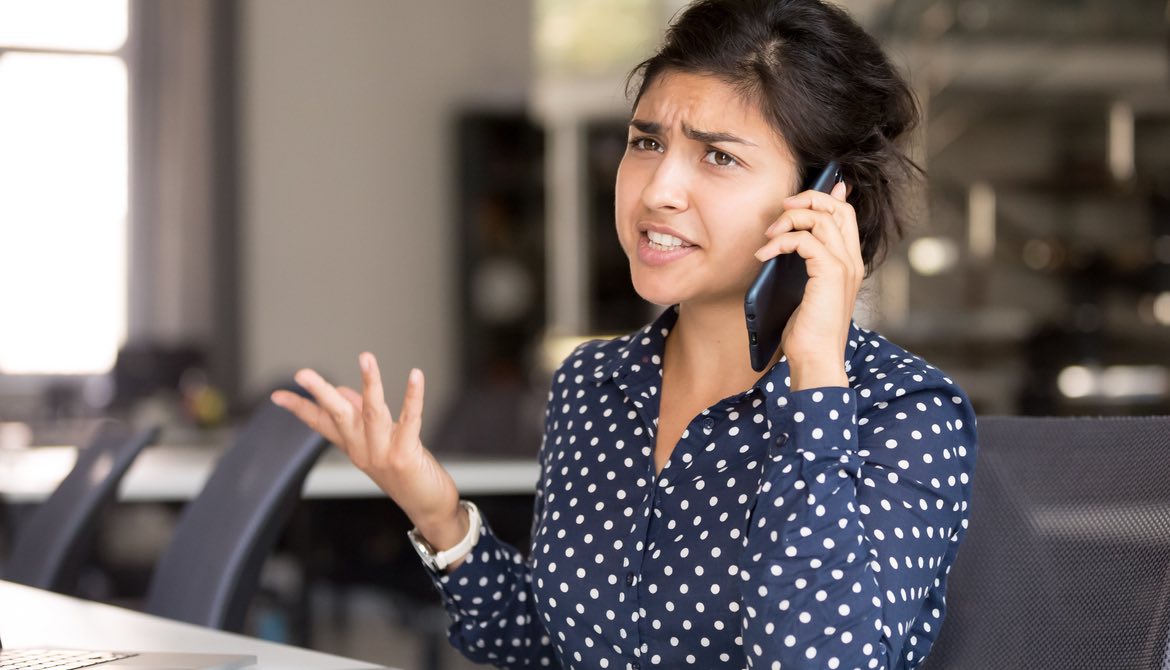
{"x": 275, "y": 397}
{"x": 364, "y": 361}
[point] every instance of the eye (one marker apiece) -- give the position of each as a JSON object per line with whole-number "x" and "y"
{"x": 645, "y": 144}
{"x": 720, "y": 158}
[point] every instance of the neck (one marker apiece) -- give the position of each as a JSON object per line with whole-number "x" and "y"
{"x": 707, "y": 348}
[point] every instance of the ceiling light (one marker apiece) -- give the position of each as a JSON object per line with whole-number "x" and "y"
{"x": 932, "y": 255}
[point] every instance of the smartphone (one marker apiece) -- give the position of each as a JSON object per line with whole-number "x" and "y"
{"x": 779, "y": 288}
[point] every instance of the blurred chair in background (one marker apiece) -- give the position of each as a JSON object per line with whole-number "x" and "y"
{"x": 51, "y": 544}
{"x": 1067, "y": 560}
{"x": 210, "y": 570}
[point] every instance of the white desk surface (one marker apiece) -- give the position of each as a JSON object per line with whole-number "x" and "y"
{"x": 34, "y": 618}
{"x": 177, "y": 473}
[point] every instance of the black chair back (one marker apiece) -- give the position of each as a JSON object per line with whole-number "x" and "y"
{"x": 211, "y": 568}
{"x": 51, "y": 544}
{"x": 1066, "y": 563}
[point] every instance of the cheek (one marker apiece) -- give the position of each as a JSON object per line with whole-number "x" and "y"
{"x": 621, "y": 185}
{"x": 737, "y": 221}
{"x": 627, "y": 197}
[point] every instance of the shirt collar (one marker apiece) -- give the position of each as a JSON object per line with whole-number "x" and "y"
{"x": 642, "y": 351}
{"x": 639, "y": 351}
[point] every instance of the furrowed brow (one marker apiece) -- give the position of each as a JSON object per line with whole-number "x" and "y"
{"x": 648, "y": 127}
{"x": 713, "y": 137}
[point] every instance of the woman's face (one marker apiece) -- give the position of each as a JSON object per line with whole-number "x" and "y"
{"x": 702, "y": 178}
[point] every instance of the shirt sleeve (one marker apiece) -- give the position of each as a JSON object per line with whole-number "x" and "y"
{"x": 856, "y": 525}
{"x": 489, "y": 599}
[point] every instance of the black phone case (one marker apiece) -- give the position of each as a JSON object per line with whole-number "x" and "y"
{"x": 779, "y": 288}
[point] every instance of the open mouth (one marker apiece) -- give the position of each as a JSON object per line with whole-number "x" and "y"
{"x": 656, "y": 248}
{"x": 663, "y": 242}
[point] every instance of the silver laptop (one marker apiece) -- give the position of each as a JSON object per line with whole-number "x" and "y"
{"x": 70, "y": 659}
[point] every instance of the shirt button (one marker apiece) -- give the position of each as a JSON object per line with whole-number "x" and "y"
{"x": 635, "y": 665}
{"x": 629, "y": 579}
{"x": 708, "y": 424}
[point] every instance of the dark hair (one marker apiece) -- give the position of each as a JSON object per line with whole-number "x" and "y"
{"x": 823, "y": 83}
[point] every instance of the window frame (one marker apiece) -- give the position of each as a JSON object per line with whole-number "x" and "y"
{"x": 24, "y": 390}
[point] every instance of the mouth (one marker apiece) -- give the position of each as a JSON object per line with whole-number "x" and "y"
{"x": 657, "y": 247}
{"x": 664, "y": 242}
{"x": 661, "y": 238}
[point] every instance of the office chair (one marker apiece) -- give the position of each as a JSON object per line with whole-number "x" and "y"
{"x": 1066, "y": 563}
{"x": 51, "y": 544}
{"x": 210, "y": 570}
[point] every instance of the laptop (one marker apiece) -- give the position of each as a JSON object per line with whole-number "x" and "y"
{"x": 70, "y": 659}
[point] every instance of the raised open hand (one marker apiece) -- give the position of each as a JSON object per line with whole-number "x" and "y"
{"x": 388, "y": 451}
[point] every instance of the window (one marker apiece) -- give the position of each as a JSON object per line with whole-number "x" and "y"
{"x": 583, "y": 37}
{"x": 64, "y": 185}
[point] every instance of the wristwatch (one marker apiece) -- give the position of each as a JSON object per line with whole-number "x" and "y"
{"x": 438, "y": 561}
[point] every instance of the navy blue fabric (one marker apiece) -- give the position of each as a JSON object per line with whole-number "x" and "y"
{"x": 809, "y": 529}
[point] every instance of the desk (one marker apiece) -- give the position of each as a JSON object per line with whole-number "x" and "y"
{"x": 177, "y": 473}
{"x": 34, "y": 618}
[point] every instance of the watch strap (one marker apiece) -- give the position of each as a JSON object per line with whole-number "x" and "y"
{"x": 438, "y": 561}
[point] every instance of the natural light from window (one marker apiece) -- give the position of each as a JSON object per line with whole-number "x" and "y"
{"x": 70, "y": 25}
{"x": 63, "y": 201}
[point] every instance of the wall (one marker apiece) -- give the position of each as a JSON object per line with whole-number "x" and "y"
{"x": 347, "y": 178}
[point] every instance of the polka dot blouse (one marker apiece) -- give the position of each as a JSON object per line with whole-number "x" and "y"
{"x": 809, "y": 529}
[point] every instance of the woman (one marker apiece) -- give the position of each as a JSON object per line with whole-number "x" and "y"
{"x": 690, "y": 512}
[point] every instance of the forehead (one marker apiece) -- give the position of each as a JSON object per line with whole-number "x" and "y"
{"x": 701, "y": 101}
{"x": 684, "y": 100}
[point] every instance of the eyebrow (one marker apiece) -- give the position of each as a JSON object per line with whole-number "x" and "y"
{"x": 705, "y": 136}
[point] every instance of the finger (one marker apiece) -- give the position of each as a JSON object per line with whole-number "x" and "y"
{"x": 410, "y": 418}
{"x": 358, "y": 449}
{"x": 812, "y": 220}
{"x": 820, "y": 260}
{"x": 850, "y": 228}
{"x": 818, "y": 200}
{"x": 842, "y": 212}
{"x": 832, "y": 203}
{"x": 330, "y": 399}
{"x": 840, "y": 191}
{"x": 829, "y": 203}
{"x": 821, "y": 225}
{"x": 309, "y": 413}
{"x": 352, "y": 397}
{"x": 376, "y": 418}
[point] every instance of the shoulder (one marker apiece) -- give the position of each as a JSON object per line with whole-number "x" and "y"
{"x": 596, "y": 360}
{"x": 913, "y": 419}
{"x": 882, "y": 372}
{"x": 587, "y": 359}
{"x": 588, "y": 363}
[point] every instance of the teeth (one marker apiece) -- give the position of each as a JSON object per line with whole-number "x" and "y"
{"x": 664, "y": 240}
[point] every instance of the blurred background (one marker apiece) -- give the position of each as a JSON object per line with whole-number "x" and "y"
{"x": 198, "y": 197}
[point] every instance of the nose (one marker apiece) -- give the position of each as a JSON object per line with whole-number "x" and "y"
{"x": 667, "y": 188}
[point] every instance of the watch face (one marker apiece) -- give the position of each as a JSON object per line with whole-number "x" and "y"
{"x": 439, "y": 561}
{"x": 423, "y": 550}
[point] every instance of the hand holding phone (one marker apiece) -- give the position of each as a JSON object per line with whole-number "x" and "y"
{"x": 779, "y": 287}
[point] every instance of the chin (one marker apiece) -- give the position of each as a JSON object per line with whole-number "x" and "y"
{"x": 657, "y": 288}
{"x": 660, "y": 289}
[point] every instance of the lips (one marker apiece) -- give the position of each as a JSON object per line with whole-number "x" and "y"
{"x": 660, "y": 245}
